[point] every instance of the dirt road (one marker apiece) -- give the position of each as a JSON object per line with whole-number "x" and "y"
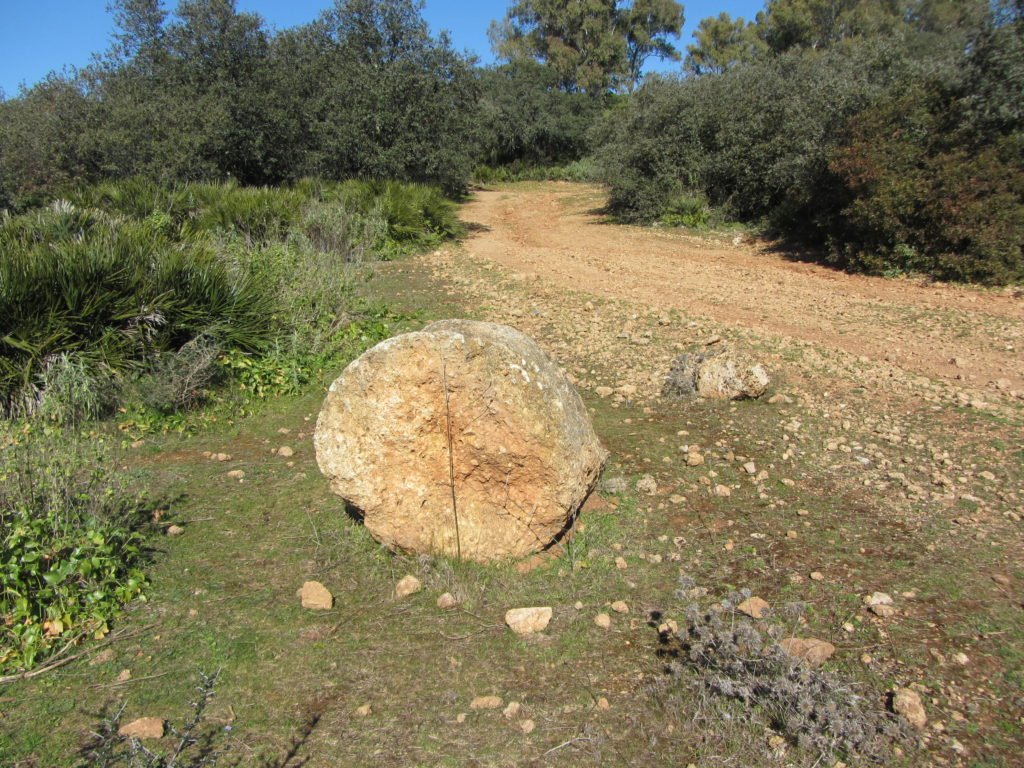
{"x": 554, "y": 232}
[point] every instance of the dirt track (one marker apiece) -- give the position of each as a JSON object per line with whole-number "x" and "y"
{"x": 553, "y": 231}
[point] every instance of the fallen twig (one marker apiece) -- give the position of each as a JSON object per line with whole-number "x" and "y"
{"x": 129, "y": 680}
{"x": 566, "y": 744}
{"x": 61, "y": 662}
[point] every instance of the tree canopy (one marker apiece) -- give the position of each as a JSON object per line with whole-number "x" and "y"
{"x": 592, "y": 45}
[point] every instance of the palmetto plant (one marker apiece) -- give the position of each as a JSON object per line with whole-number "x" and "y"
{"x": 111, "y": 291}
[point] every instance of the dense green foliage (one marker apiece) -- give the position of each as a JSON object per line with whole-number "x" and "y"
{"x": 527, "y": 121}
{"x": 138, "y": 295}
{"x": 71, "y": 549}
{"x": 889, "y": 137}
{"x": 108, "y": 293}
{"x": 209, "y": 93}
{"x": 590, "y": 45}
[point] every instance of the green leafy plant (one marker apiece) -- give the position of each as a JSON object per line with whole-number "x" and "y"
{"x": 71, "y": 547}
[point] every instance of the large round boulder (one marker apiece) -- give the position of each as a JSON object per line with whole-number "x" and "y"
{"x": 464, "y": 438}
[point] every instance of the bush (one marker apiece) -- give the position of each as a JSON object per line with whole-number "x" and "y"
{"x": 688, "y": 210}
{"x": 195, "y": 741}
{"x": 112, "y": 293}
{"x": 719, "y": 650}
{"x": 921, "y": 198}
{"x": 257, "y": 213}
{"x": 413, "y": 216}
{"x": 754, "y": 141}
{"x": 527, "y": 120}
{"x": 71, "y": 547}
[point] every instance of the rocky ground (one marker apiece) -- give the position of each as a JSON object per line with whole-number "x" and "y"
{"x": 897, "y": 397}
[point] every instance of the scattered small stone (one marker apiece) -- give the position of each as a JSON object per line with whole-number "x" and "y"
{"x": 961, "y": 658}
{"x": 754, "y": 607}
{"x": 175, "y": 530}
{"x": 907, "y": 703}
{"x": 460, "y": 718}
{"x": 446, "y": 601}
{"x": 817, "y": 576}
{"x": 143, "y": 728}
{"x": 619, "y": 606}
{"x": 124, "y": 676}
{"x": 284, "y": 431}
{"x": 723, "y": 491}
{"x": 669, "y": 627}
{"x": 603, "y": 620}
{"x": 527, "y": 726}
{"x": 791, "y": 534}
{"x": 235, "y": 474}
{"x": 750, "y": 468}
{"x": 849, "y": 628}
{"x": 138, "y": 443}
{"x": 364, "y": 711}
{"x": 406, "y": 586}
{"x": 620, "y": 563}
{"x": 221, "y": 456}
{"x": 285, "y": 451}
{"x": 315, "y": 596}
{"x": 602, "y": 703}
{"x": 811, "y": 651}
{"x": 883, "y": 611}
{"x": 878, "y": 598}
{"x": 526, "y": 621}
{"x": 1001, "y": 580}
{"x": 512, "y": 709}
{"x": 485, "y": 702}
{"x": 694, "y": 459}
{"x": 647, "y": 485}
{"x": 578, "y": 605}
{"x": 604, "y": 391}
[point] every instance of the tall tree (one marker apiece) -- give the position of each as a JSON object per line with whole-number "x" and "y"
{"x": 592, "y": 45}
{"x": 818, "y": 24}
{"x": 722, "y": 43}
{"x": 648, "y": 26}
{"x": 381, "y": 97}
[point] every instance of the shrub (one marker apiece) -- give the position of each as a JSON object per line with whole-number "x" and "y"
{"x": 922, "y": 198}
{"x": 195, "y": 741}
{"x": 71, "y": 548}
{"x": 721, "y": 651}
{"x": 111, "y": 292}
{"x": 688, "y": 210}
{"x": 527, "y": 120}
{"x": 257, "y": 213}
{"x": 413, "y": 215}
{"x": 754, "y": 140}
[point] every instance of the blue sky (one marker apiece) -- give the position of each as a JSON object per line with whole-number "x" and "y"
{"x": 37, "y": 36}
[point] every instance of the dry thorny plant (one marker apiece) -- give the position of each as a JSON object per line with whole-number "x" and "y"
{"x": 724, "y": 657}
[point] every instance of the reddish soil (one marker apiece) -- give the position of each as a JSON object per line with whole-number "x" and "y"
{"x": 555, "y": 232}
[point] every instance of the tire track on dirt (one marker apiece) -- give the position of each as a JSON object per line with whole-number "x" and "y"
{"x": 554, "y": 232}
